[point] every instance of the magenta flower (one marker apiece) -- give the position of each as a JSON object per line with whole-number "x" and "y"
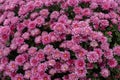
{"x": 4, "y": 60}
{"x": 93, "y": 5}
{"x": 65, "y": 56}
{"x": 81, "y": 72}
{"x": 116, "y": 50}
{"x": 72, "y": 3}
{"x": 39, "y": 20}
{"x": 32, "y": 25}
{"x": 48, "y": 49}
{"x": 40, "y": 56}
{"x": 32, "y": 51}
{"x": 92, "y": 57}
{"x": 18, "y": 41}
{"x": 26, "y": 66}
{"x": 42, "y": 67}
{"x": 112, "y": 63}
{"x": 23, "y": 48}
{"x": 59, "y": 28}
{"x": 56, "y": 54}
{"x": 27, "y": 74}
{"x": 13, "y": 66}
{"x": 108, "y": 54}
{"x": 62, "y": 18}
{"x": 20, "y": 27}
{"x": 6, "y": 51}
{"x": 80, "y": 64}
{"x": 59, "y": 39}
{"x": 83, "y": 24}
{"x": 35, "y": 32}
{"x": 54, "y": 15}
{"x": 18, "y": 77}
{"x": 20, "y": 59}
{"x": 44, "y": 13}
{"x": 45, "y": 39}
{"x": 73, "y": 76}
{"x": 33, "y": 61}
{"x": 26, "y": 35}
{"x": 46, "y": 77}
{"x": 106, "y": 5}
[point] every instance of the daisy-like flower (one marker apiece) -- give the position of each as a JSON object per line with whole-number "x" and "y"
{"x": 12, "y": 66}
{"x": 73, "y": 76}
{"x": 18, "y": 77}
{"x": 93, "y": 44}
{"x": 72, "y": 2}
{"x": 32, "y": 51}
{"x": 105, "y": 72}
{"x": 81, "y": 73}
{"x": 33, "y": 61}
{"x": 51, "y": 62}
{"x": 116, "y": 50}
{"x": 40, "y": 56}
{"x": 59, "y": 28}
{"x": 45, "y": 39}
{"x": 108, "y": 54}
{"x": 32, "y": 25}
{"x": 112, "y": 63}
{"x": 92, "y": 57}
{"x": 27, "y": 74}
{"x": 42, "y": 67}
{"x": 39, "y": 20}
{"x": 81, "y": 53}
{"x": 20, "y": 59}
{"x": 64, "y": 67}
{"x": 80, "y": 64}
{"x": 65, "y": 56}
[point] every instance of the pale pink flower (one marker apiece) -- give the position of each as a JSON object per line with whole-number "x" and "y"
{"x": 105, "y": 72}
{"x": 94, "y": 43}
{"x": 64, "y": 67}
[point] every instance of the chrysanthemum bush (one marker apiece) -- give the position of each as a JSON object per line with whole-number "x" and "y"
{"x": 59, "y": 39}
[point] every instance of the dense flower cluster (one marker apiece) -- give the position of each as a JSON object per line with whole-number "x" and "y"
{"x": 59, "y": 39}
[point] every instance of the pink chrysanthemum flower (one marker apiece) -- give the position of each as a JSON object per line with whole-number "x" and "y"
{"x": 46, "y": 39}
{"x": 27, "y": 74}
{"x": 18, "y": 77}
{"x": 65, "y": 55}
{"x": 112, "y": 63}
{"x": 116, "y": 50}
{"x": 20, "y": 59}
{"x": 33, "y": 61}
{"x": 59, "y": 28}
{"x": 81, "y": 73}
{"x": 92, "y": 57}
{"x": 64, "y": 67}
{"x": 42, "y": 67}
{"x": 105, "y": 72}
{"x": 13, "y": 66}
{"x": 80, "y": 64}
